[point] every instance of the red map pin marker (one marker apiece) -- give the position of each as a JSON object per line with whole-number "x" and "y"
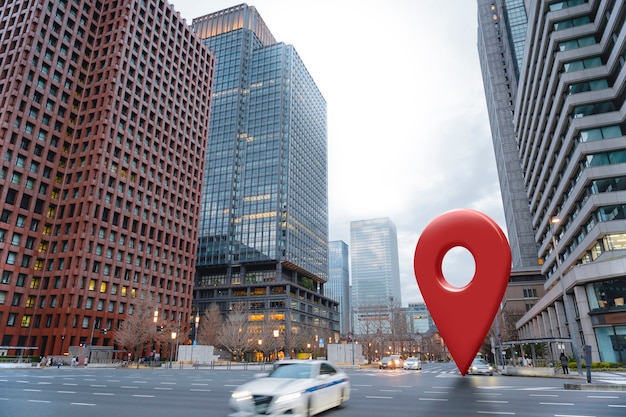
{"x": 463, "y": 315}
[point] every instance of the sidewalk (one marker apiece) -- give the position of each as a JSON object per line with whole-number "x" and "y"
{"x": 600, "y": 381}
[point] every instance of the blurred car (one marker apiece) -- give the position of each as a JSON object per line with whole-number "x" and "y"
{"x": 412, "y": 363}
{"x": 480, "y": 366}
{"x": 390, "y": 362}
{"x": 303, "y": 387}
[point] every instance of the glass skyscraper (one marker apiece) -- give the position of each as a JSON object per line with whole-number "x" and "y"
{"x": 263, "y": 239}
{"x": 338, "y": 286}
{"x": 375, "y": 270}
{"x": 501, "y": 40}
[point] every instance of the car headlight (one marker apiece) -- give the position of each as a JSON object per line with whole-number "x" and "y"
{"x": 288, "y": 397}
{"x": 241, "y": 395}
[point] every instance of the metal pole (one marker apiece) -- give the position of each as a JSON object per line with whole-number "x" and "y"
{"x": 573, "y": 336}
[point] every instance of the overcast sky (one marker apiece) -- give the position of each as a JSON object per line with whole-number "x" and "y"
{"x": 408, "y": 133}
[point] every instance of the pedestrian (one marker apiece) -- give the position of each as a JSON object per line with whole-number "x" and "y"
{"x": 564, "y": 363}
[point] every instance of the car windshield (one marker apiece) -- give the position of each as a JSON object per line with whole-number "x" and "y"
{"x": 292, "y": 370}
{"x": 479, "y": 362}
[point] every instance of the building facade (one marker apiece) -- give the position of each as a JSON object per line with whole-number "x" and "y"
{"x": 105, "y": 113}
{"x": 264, "y": 221}
{"x": 420, "y": 320}
{"x": 569, "y": 123}
{"x": 338, "y": 285}
{"x": 375, "y": 273}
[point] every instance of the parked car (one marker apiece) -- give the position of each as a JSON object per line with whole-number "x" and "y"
{"x": 480, "y": 366}
{"x": 390, "y": 362}
{"x": 303, "y": 387}
{"x": 412, "y": 363}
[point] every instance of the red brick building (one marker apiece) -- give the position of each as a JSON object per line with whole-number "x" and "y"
{"x": 104, "y": 114}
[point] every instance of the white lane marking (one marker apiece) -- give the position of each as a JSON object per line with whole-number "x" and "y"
{"x": 102, "y": 393}
{"x": 32, "y": 390}
{"x": 496, "y": 412}
{"x": 433, "y": 399}
{"x": 556, "y": 403}
{"x": 66, "y": 392}
{"x": 199, "y": 390}
{"x": 543, "y": 395}
{"x": 570, "y": 415}
{"x": 163, "y": 388}
{"x": 128, "y": 386}
{"x": 85, "y": 404}
{"x": 602, "y": 396}
{"x": 493, "y": 401}
{"x": 378, "y": 397}
{"x": 143, "y": 396}
{"x": 617, "y": 405}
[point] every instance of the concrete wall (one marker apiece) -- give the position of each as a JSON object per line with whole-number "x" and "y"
{"x": 343, "y": 353}
{"x": 200, "y": 354}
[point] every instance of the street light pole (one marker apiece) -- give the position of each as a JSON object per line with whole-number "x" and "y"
{"x": 276, "y": 334}
{"x": 195, "y": 335}
{"x": 573, "y": 335}
{"x": 172, "y": 351}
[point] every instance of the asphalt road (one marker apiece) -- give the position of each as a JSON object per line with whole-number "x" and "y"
{"x": 437, "y": 390}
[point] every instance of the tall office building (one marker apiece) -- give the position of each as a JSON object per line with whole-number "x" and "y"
{"x": 264, "y": 221}
{"x": 338, "y": 285}
{"x": 569, "y": 127}
{"x": 501, "y": 35}
{"x": 375, "y": 271}
{"x": 104, "y": 122}
{"x": 501, "y": 40}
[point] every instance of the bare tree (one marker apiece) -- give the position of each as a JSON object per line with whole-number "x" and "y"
{"x": 294, "y": 338}
{"x": 236, "y": 336}
{"x": 211, "y": 326}
{"x": 138, "y": 329}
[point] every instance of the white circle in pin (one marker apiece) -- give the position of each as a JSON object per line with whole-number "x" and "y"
{"x": 458, "y": 267}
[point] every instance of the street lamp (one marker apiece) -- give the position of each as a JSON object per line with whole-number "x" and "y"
{"x": 261, "y": 348}
{"x": 172, "y": 351}
{"x": 276, "y": 334}
{"x": 568, "y": 314}
{"x": 195, "y": 335}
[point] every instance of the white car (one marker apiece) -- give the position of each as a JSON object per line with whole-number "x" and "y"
{"x": 298, "y": 387}
{"x": 412, "y": 363}
{"x": 480, "y": 366}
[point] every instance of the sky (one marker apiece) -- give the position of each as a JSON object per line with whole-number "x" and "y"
{"x": 408, "y": 132}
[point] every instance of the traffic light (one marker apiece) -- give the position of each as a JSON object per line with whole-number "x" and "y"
{"x": 160, "y": 329}
{"x": 104, "y": 331}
